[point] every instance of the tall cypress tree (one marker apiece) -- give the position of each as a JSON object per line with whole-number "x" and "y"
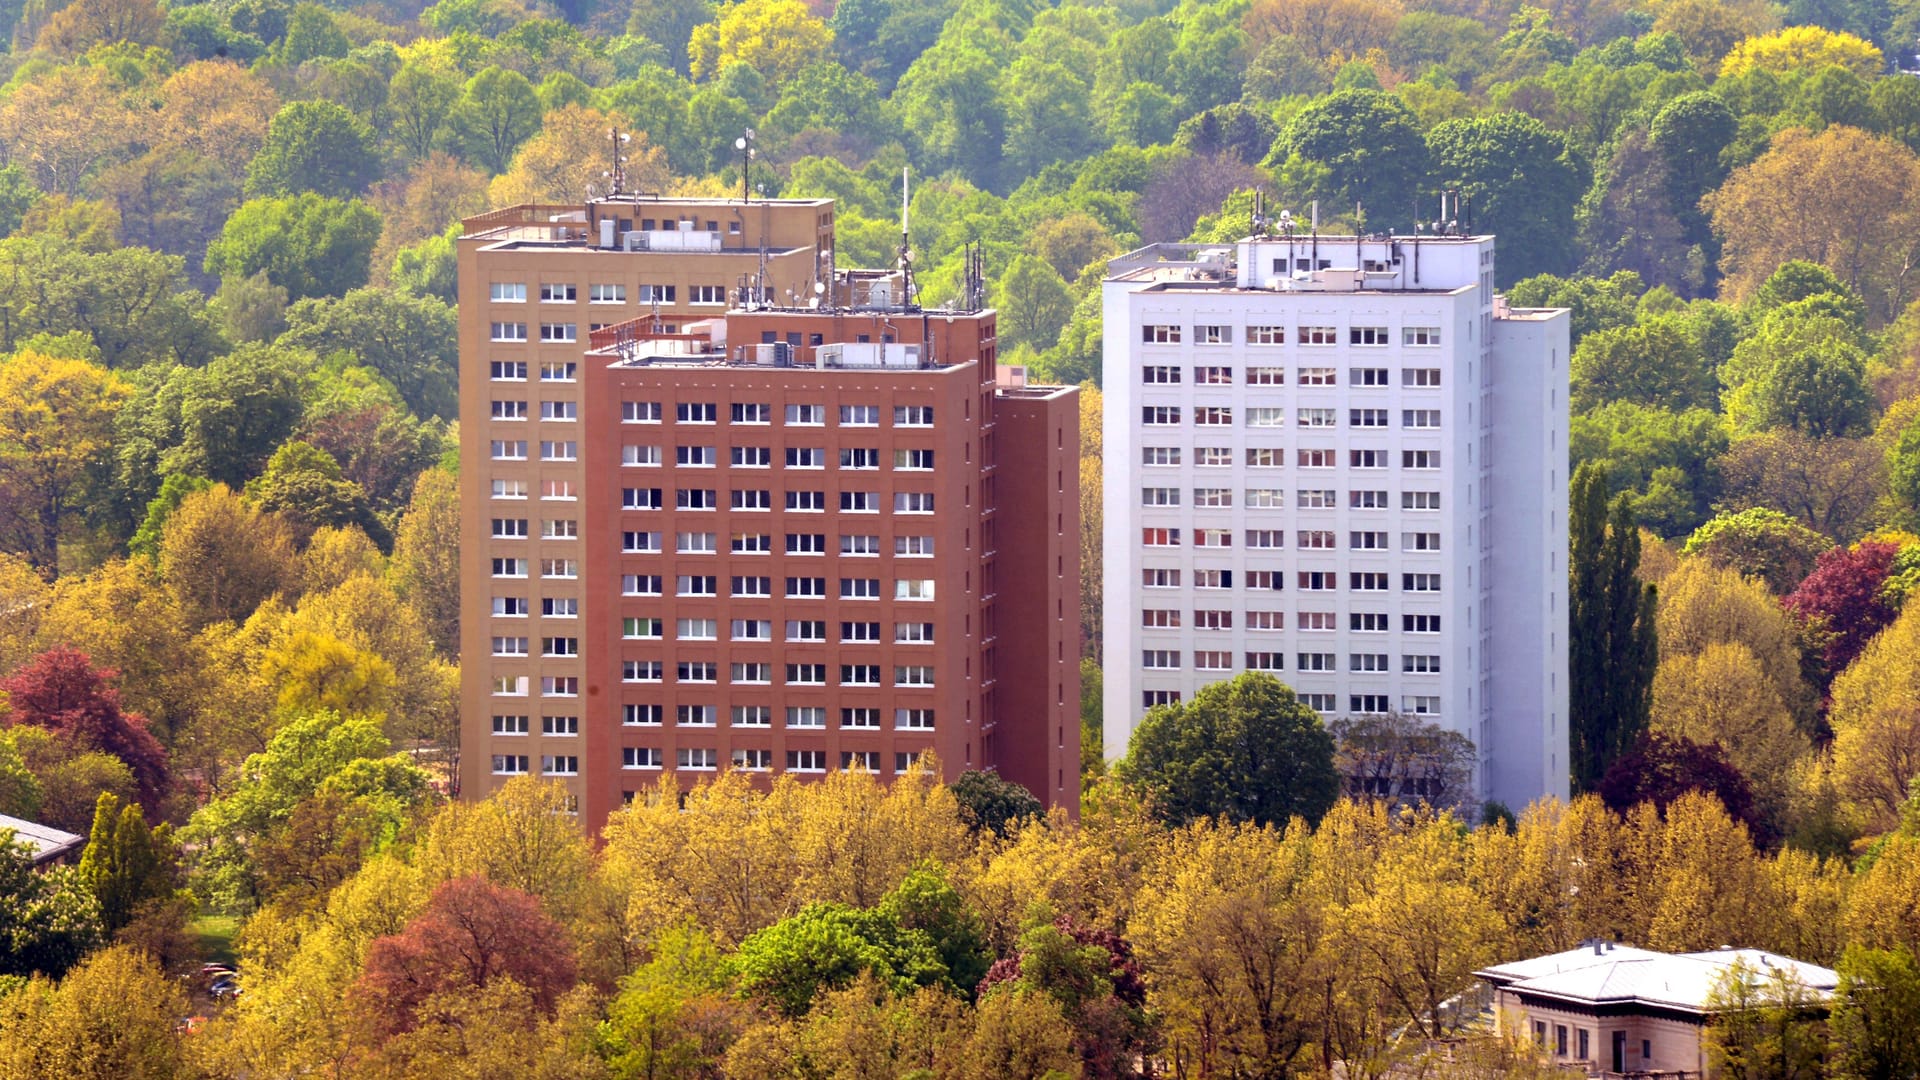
{"x": 1612, "y": 651}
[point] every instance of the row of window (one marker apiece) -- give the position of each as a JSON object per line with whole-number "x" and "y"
{"x": 743, "y": 543}
{"x": 651, "y": 628}
{"x": 809, "y": 717}
{"x": 758, "y": 673}
{"x": 1363, "y": 419}
{"x": 1221, "y": 660}
{"x": 566, "y": 292}
{"x": 795, "y": 588}
{"x": 1269, "y": 375}
{"x": 1359, "y": 704}
{"x": 743, "y": 716}
{"x": 1216, "y": 619}
{"x": 851, "y": 502}
{"x": 1276, "y": 417}
{"x": 1219, "y": 334}
{"x": 1308, "y": 580}
{"x": 708, "y": 760}
{"x": 1257, "y": 499}
{"x": 1274, "y": 539}
{"x": 761, "y": 457}
{"x": 757, "y": 414}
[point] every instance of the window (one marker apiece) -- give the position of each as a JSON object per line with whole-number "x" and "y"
{"x": 806, "y": 457}
{"x": 750, "y": 499}
{"x": 1367, "y": 418}
{"x": 1213, "y": 416}
{"x": 859, "y": 674}
{"x": 1419, "y": 582}
{"x": 1270, "y": 539}
{"x": 1368, "y": 704}
{"x": 640, "y": 498}
{"x": 696, "y": 585}
{"x": 560, "y": 646}
{"x": 1212, "y": 660}
{"x": 559, "y": 568}
{"x": 509, "y": 646}
{"x": 509, "y": 331}
{"x": 913, "y": 719}
{"x": 1213, "y": 497}
{"x": 806, "y": 588}
{"x": 1366, "y": 662}
{"x": 694, "y": 412}
{"x": 509, "y": 410}
{"x": 1420, "y": 541}
{"x": 806, "y": 761}
{"x": 752, "y": 760}
{"x": 639, "y": 543}
{"x": 859, "y": 545}
{"x": 1315, "y": 459}
{"x": 1420, "y": 418}
{"x": 750, "y": 672}
{"x": 639, "y": 412}
{"x": 859, "y": 502}
{"x": 1156, "y": 334}
{"x": 913, "y": 633}
{"x": 1266, "y": 376}
{"x": 1160, "y": 375}
{"x": 807, "y": 415}
{"x": 1367, "y": 582}
{"x": 639, "y": 456}
{"x": 1213, "y": 579}
{"x": 806, "y": 630}
{"x": 1265, "y": 661}
{"x": 510, "y": 725}
{"x": 560, "y": 725}
{"x": 1266, "y": 417}
{"x": 1159, "y": 415}
{"x": 1367, "y": 459}
{"x": 640, "y": 715}
{"x": 509, "y": 528}
{"x": 510, "y": 686}
{"x": 1419, "y": 459}
{"x": 559, "y": 332}
{"x": 913, "y": 546}
{"x": 751, "y": 630}
{"x": 1269, "y": 580}
{"x": 913, "y": 589}
{"x": 1366, "y": 335}
{"x": 1159, "y": 496}
{"x": 1152, "y": 698}
{"x": 560, "y": 686}
{"x": 1420, "y": 664}
{"x": 1212, "y": 620}
{"x": 806, "y": 543}
{"x": 655, "y": 294}
{"x": 913, "y": 460}
{"x": 1368, "y": 376}
{"x": 1160, "y": 659}
{"x": 752, "y": 716}
{"x": 1318, "y": 581}
{"x": 640, "y": 628}
{"x": 1315, "y": 538}
{"x": 859, "y": 416}
{"x": 806, "y": 716}
{"x": 1266, "y": 620}
{"x": 697, "y": 759}
{"x": 913, "y": 416}
{"x": 557, "y": 370}
{"x": 1159, "y": 455}
{"x": 1316, "y": 661}
{"x": 752, "y": 457}
{"x": 707, "y": 294}
{"x": 639, "y": 757}
{"x": 1419, "y": 335}
{"x": 1213, "y": 538}
{"x": 750, "y": 585}
{"x": 1420, "y": 624}
{"x": 698, "y": 457}
{"x": 1159, "y": 619}
{"x": 508, "y": 450}
{"x": 640, "y": 584}
{"x": 1419, "y": 376}
{"x": 556, "y": 490}
{"x": 1213, "y": 376}
{"x": 1315, "y": 418}
{"x": 695, "y": 499}
{"x": 859, "y": 588}
{"x": 913, "y": 502}
{"x": 1367, "y": 500}
{"x": 866, "y": 633}
{"x": 1318, "y": 335}
{"x": 604, "y": 294}
{"x": 1419, "y": 500}
{"x": 509, "y": 764}
{"x": 1160, "y": 579}
{"x": 695, "y": 543}
{"x": 807, "y": 501}
{"x": 1367, "y": 541}
{"x": 696, "y": 629}
{"x": 1213, "y": 335}
{"x": 751, "y": 544}
{"x": 504, "y": 292}
{"x": 510, "y": 607}
{"x": 558, "y": 292}
{"x": 1317, "y": 499}
{"x": 509, "y": 489}
{"x": 1318, "y": 702}
{"x": 1266, "y": 335}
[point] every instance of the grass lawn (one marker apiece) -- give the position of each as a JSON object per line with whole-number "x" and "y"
{"x": 216, "y": 934}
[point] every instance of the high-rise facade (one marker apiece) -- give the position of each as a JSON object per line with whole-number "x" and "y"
{"x": 1343, "y": 461}
{"x": 747, "y": 523}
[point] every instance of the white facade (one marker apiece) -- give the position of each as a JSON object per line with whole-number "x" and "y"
{"x": 1338, "y": 461}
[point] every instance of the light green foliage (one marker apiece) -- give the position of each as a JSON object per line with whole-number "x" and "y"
{"x": 409, "y": 340}
{"x": 1876, "y": 1014}
{"x": 127, "y": 864}
{"x": 497, "y": 111}
{"x": 314, "y": 146}
{"x": 308, "y": 244}
{"x": 1653, "y": 362}
{"x": 1363, "y": 146}
{"x": 825, "y": 947}
{"x": 1667, "y": 459}
{"x": 1595, "y": 303}
{"x": 303, "y": 483}
{"x": 48, "y": 919}
{"x": 1759, "y": 543}
{"x": 20, "y": 790}
{"x": 134, "y": 303}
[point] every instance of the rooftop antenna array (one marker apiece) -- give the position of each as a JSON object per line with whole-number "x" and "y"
{"x": 975, "y": 282}
{"x": 906, "y": 248}
{"x": 744, "y": 144}
{"x": 1260, "y": 224}
{"x": 615, "y": 175}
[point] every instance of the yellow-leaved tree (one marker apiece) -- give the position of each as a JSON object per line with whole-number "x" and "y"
{"x": 1803, "y": 49}
{"x": 574, "y": 152}
{"x": 56, "y": 428}
{"x": 775, "y": 37}
{"x": 1723, "y": 695}
{"x": 1876, "y": 723}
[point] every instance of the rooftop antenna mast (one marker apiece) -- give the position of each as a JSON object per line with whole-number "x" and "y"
{"x": 906, "y": 248}
{"x": 744, "y": 144}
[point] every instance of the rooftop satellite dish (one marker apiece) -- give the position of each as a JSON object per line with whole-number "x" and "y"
{"x": 819, "y": 287}
{"x": 740, "y": 143}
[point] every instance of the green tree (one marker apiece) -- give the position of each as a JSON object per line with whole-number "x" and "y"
{"x": 127, "y": 864}
{"x": 311, "y": 33}
{"x": 498, "y": 110}
{"x": 1667, "y": 460}
{"x": 1612, "y": 652}
{"x": 314, "y": 146}
{"x": 1035, "y": 303}
{"x": 1766, "y": 1026}
{"x": 426, "y": 557}
{"x": 20, "y": 790}
{"x": 1653, "y": 362}
{"x": 304, "y": 484}
{"x": 1518, "y": 178}
{"x": 991, "y": 803}
{"x": 418, "y": 103}
{"x": 826, "y": 946}
{"x": 1819, "y": 392}
{"x": 307, "y": 244}
{"x": 48, "y": 919}
{"x": 1245, "y": 749}
{"x": 134, "y": 304}
{"x": 1356, "y": 146}
{"x": 1689, "y": 133}
{"x": 411, "y": 341}
{"x": 1876, "y": 1015}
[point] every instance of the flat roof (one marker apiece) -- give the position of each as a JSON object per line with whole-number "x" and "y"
{"x": 1619, "y": 974}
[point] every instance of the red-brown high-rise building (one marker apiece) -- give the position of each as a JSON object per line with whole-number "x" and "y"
{"x": 769, "y": 538}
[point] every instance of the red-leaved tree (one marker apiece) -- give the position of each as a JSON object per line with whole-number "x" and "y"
{"x": 470, "y": 933}
{"x": 1660, "y": 768}
{"x": 1842, "y": 598}
{"x": 62, "y": 691}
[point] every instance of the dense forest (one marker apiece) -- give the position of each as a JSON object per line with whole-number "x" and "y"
{"x": 229, "y": 533}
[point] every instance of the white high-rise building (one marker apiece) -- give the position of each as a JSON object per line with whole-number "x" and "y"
{"x": 1343, "y": 461}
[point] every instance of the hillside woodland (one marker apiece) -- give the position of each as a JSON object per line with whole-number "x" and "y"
{"x": 229, "y": 620}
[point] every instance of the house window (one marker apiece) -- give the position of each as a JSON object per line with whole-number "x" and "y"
{"x": 1160, "y": 334}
